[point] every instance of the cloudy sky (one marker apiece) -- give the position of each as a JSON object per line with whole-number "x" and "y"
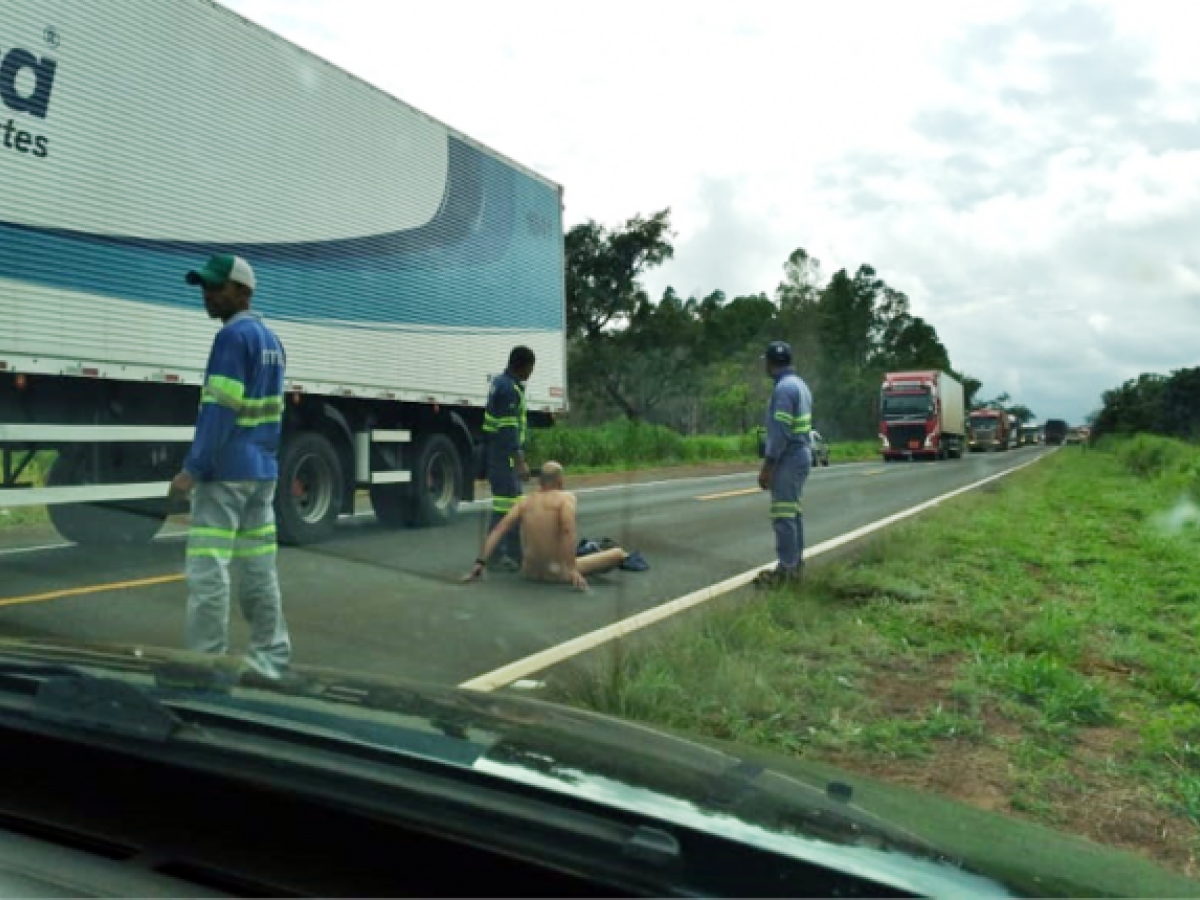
{"x": 1027, "y": 172}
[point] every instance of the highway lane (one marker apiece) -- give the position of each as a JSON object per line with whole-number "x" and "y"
{"x": 389, "y": 602}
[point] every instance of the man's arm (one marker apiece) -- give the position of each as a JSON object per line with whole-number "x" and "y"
{"x": 220, "y": 401}
{"x": 503, "y": 527}
{"x": 781, "y": 422}
{"x": 503, "y": 410}
{"x": 775, "y": 440}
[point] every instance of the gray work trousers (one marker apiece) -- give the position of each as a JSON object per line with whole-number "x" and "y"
{"x": 505, "y": 483}
{"x": 787, "y": 516}
{"x": 235, "y": 521}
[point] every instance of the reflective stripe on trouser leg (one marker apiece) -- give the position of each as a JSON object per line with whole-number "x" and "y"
{"x": 235, "y": 520}
{"x": 259, "y": 594}
{"x": 210, "y": 548}
{"x": 787, "y": 484}
{"x": 506, "y": 491}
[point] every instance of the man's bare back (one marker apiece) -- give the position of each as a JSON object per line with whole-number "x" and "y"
{"x": 549, "y": 537}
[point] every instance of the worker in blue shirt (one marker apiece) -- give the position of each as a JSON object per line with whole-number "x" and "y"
{"x": 786, "y": 463}
{"x": 505, "y": 428}
{"x": 231, "y": 473}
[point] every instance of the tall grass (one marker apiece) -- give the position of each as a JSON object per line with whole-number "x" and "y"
{"x": 1044, "y": 633}
{"x": 34, "y": 474}
{"x": 853, "y": 451}
{"x": 1171, "y": 463}
{"x": 626, "y": 445}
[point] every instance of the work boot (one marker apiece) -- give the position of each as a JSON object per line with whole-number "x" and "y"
{"x": 778, "y": 577}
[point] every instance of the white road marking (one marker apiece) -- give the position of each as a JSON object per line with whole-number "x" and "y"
{"x": 552, "y": 656}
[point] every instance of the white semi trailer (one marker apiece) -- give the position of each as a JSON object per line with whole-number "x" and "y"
{"x": 398, "y": 260}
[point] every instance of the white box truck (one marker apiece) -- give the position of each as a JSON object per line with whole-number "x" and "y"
{"x": 398, "y": 260}
{"x": 922, "y": 416}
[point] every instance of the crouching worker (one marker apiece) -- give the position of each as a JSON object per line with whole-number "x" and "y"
{"x": 546, "y": 519}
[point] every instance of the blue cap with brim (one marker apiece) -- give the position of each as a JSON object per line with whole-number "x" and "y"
{"x": 779, "y": 352}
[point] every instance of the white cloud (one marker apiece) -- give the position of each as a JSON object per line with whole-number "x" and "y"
{"x": 1022, "y": 169}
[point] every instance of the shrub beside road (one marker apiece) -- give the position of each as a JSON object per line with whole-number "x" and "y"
{"x": 1029, "y": 648}
{"x": 622, "y": 446}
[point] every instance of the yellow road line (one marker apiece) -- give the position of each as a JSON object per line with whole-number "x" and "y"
{"x": 874, "y": 472}
{"x": 741, "y": 493}
{"x": 90, "y": 589}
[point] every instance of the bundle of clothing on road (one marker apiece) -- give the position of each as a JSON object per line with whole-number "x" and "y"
{"x": 634, "y": 562}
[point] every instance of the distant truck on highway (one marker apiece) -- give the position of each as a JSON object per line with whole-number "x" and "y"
{"x": 1078, "y": 434}
{"x": 988, "y": 430}
{"x": 1056, "y": 432}
{"x": 922, "y": 416}
{"x": 1031, "y": 435}
{"x": 398, "y": 260}
{"x": 1014, "y": 433}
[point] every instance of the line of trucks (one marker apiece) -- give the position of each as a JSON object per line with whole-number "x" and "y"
{"x": 923, "y": 416}
{"x": 398, "y": 260}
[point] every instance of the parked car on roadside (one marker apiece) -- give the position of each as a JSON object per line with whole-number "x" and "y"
{"x": 820, "y": 450}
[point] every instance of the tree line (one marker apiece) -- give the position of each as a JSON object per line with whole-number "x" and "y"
{"x": 695, "y": 364}
{"x": 1151, "y": 403}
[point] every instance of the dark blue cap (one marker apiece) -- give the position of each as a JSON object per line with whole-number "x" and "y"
{"x": 779, "y": 352}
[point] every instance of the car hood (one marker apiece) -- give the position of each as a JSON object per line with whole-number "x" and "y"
{"x": 809, "y": 811}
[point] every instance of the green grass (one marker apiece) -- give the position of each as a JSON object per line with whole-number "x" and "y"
{"x": 621, "y": 446}
{"x": 35, "y": 474}
{"x": 854, "y": 451}
{"x": 1043, "y": 630}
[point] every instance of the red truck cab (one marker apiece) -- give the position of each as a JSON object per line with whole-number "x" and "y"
{"x": 921, "y": 416}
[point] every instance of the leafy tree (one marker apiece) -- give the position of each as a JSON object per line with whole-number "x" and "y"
{"x": 1135, "y": 406}
{"x": 916, "y": 346}
{"x": 798, "y": 299}
{"x": 603, "y": 268}
{"x": 1180, "y": 410}
{"x": 971, "y": 387}
{"x": 697, "y": 364}
{"x": 999, "y": 402}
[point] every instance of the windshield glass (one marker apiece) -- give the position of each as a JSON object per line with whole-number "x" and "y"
{"x": 451, "y": 345}
{"x": 907, "y": 404}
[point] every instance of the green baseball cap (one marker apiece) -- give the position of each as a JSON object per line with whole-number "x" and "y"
{"x": 222, "y": 268}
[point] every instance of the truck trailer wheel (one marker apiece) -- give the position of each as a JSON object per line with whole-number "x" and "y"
{"x": 100, "y": 524}
{"x": 311, "y": 483}
{"x": 437, "y": 483}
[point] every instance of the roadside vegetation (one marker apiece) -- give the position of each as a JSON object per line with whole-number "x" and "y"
{"x": 1031, "y": 648}
{"x": 622, "y": 445}
{"x": 35, "y": 474}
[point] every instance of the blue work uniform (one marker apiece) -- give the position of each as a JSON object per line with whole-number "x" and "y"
{"x": 234, "y": 461}
{"x": 789, "y": 427}
{"x": 505, "y": 428}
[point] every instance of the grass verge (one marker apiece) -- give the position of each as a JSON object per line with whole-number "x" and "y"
{"x": 622, "y": 446}
{"x": 35, "y": 474}
{"x": 1029, "y": 649}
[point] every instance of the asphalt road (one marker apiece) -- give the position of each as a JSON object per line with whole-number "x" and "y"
{"x": 389, "y": 602}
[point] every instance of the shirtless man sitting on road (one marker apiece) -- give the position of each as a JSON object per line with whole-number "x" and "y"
{"x": 548, "y": 537}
